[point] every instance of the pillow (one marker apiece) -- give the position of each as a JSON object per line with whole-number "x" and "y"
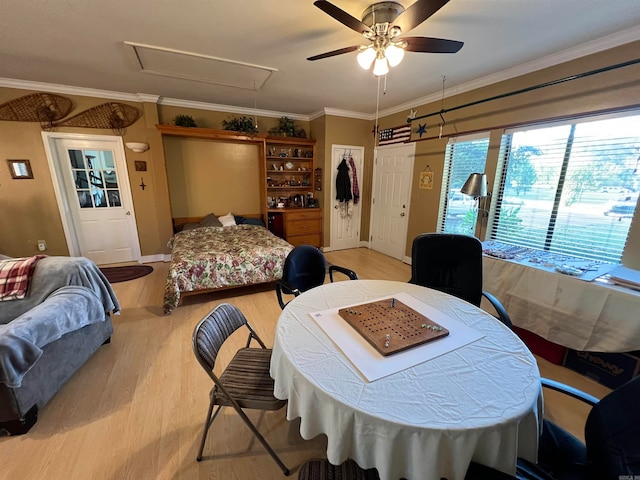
{"x": 253, "y": 221}
{"x": 210, "y": 221}
{"x": 227, "y": 220}
{"x": 190, "y": 226}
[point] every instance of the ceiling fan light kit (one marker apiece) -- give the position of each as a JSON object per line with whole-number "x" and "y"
{"x": 380, "y": 66}
{"x": 382, "y": 24}
{"x": 394, "y": 54}
{"x": 366, "y": 57}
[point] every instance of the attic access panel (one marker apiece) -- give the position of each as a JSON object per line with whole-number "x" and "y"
{"x": 201, "y": 68}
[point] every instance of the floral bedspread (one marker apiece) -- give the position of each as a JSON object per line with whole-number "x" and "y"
{"x": 214, "y": 257}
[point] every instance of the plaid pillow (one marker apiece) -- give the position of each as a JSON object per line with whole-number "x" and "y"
{"x": 15, "y": 275}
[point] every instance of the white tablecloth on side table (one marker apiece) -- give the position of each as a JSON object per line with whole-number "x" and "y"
{"x": 480, "y": 402}
{"x": 566, "y": 310}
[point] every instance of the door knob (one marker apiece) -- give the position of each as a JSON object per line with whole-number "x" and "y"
{"x": 128, "y": 212}
{"x": 335, "y": 206}
{"x": 402, "y": 214}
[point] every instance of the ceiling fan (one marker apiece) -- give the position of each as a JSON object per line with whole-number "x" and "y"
{"x": 382, "y": 25}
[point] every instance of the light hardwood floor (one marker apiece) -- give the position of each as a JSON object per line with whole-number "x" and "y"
{"x": 135, "y": 410}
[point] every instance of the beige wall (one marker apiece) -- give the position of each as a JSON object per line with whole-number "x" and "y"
{"x": 346, "y": 131}
{"x": 28, "y": 210}
{"x": 598, "y": 93}
{"x": 212, "y": 176}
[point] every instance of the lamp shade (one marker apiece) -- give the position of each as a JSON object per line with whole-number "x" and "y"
{"x": 394, "y": 55}
{"x": 475, "y": 186}
{"x": 137, "y": 147}
{"x": 380, "y": 66}
{"x": 366, "y": 57}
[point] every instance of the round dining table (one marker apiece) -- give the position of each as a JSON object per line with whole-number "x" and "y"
{"x": 479, "y": 402}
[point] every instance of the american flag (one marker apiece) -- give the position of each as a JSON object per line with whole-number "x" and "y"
{"x": 399, "y": 134}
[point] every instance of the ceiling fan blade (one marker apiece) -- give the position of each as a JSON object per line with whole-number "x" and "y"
{"x": 343, "y": 17}
{"x": 333, "y": 53}
{"x": 417, "y": 13}
{"x": 431, "y": 45}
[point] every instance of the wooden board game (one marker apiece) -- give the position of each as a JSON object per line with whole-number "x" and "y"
{"x": 390, "y": 326}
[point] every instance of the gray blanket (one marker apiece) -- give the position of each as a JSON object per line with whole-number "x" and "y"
{"x": 50, "y": 274}
{"x": 21, "y": 341}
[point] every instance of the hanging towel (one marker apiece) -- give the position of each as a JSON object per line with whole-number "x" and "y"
{"x": 343, "y": 184}
{"x": 355, "y": 188}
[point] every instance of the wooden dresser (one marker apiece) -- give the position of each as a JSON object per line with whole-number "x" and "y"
{"x": 299, "y": 225}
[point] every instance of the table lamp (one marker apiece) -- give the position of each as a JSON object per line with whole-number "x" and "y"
{"x": 476, "y": 187}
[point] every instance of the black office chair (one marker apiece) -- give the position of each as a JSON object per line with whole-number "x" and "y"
{"x": 305, "y": 268}
{"x": 452, "y": 263}
{"x": 245, "y": 382}
{"x": 612, "y": 450}
{"x": 612, "y": 441}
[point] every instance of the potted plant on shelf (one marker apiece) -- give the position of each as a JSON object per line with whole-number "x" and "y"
{"x": 184, "y": 121}
{"x": 241, "y": 124}
{"x": 287, "y": 128}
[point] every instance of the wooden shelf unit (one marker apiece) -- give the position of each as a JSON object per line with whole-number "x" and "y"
{"x": 290, "y": 168}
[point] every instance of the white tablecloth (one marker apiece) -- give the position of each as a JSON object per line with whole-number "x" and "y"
{"x": 481, "y": 402}
{"x": 565, "y": 310}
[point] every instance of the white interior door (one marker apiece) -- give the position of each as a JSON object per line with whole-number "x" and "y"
{"x": 95, "y": 198}
{"x": 392, "y": 173}
{"x": 345, "y": 219}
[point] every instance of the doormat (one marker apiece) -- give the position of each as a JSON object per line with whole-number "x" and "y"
{"x": 126, "y": 273}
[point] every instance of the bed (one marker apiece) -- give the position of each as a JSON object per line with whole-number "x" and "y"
{"x": 209, "y": 258}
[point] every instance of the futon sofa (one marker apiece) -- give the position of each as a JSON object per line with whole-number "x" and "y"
{"x": 48, "y": 335}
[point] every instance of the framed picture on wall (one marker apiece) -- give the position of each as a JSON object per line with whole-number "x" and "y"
{"x": 426, "y": 180}
{"x": 141, "y": 165}
{"x": 20, "y": 169}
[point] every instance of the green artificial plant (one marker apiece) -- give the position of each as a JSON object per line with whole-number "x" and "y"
{"x": 184, "y": 121}
{"x": 287, "y": 128}
{"x": 242, "y": 124}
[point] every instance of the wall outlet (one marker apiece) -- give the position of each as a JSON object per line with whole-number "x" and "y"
{"x": 42, "y": 245}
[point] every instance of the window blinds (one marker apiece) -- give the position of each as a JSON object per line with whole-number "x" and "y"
{"x": 570, "y": 188}
{"x": 464, "y": 155}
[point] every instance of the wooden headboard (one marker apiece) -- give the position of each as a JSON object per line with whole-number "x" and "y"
{"x": 179, "y": 222}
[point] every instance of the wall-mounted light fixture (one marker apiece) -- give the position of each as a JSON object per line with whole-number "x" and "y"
{"x": 137, "y": 147}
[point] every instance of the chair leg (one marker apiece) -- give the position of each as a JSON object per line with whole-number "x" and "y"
{"x": 263, "y": 441}
{"x": 207, "y": 425}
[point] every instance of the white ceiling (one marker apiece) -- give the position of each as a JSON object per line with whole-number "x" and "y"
{"x": 80, "y": 43}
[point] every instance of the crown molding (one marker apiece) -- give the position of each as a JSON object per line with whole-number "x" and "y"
{"x": 141, "y": 97}
{"x": 175, "y": 102}
{"x": 346, "y": 113}
{"x": 69, "y": 90}
{"x": 144, "y": 97}
{"x": 595, "y": 46}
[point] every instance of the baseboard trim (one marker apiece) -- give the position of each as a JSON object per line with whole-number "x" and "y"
{"x": 154, "y": 258}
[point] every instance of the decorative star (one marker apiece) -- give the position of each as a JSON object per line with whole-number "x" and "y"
{"x": 422, "y": 129}
{"x": 412, "y": 114}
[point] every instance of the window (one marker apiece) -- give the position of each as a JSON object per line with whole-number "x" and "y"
{"x": 569, "y": 188}
{"x": 464, "y": 156}
{"x": 95, "y": 178}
